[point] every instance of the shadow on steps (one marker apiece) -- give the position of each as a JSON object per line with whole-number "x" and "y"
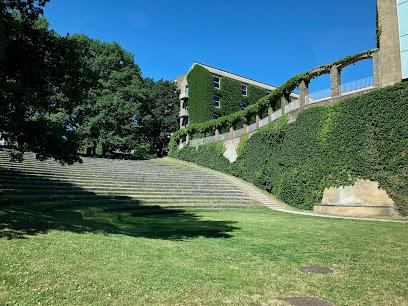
{"x": 84, "y": 212}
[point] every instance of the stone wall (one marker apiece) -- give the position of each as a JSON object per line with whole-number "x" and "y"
{"x": 364, "y": 198}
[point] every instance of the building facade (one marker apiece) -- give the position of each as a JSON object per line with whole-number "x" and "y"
{"x": 209, "y": 93}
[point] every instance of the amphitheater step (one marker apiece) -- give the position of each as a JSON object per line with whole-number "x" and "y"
{"x": 101, "y": 186}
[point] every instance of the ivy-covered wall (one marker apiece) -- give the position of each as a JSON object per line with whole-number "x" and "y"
{"x": 248, "y": 115}
{"x": 202, "y": 91}
{"x": 363, "y": 137}
{"x": 200, "y": 88}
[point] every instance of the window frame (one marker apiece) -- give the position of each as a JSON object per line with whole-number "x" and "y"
{"x": 215, "y": 82}
{"x": 214, "y": 101}
{"x": 242, "y": 105}
{"x": 244, "y": 90}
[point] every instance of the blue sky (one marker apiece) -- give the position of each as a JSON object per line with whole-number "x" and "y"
{"x": 268, "y": 41}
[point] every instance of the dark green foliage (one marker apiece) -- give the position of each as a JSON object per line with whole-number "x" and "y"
{"x": 164, "y": 108}
{"x": 231, "y": 96}
{"x": 209, "y": 155}
{"x": 202, "y": 91}
{"x": 363, "y": 137}
{"x": 37, "y": 79}
{"x": 115, "y": 111}
{"x": 200, "y": 96}
{"x": 254, "y": 94}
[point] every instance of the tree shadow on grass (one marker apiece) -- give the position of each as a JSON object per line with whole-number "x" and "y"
{"x": 82, "y": 211}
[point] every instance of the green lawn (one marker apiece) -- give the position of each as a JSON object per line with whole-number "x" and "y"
{"x": 240, "y": 258}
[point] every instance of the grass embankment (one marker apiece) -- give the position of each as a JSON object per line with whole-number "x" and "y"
{"x": 244, "y": 257}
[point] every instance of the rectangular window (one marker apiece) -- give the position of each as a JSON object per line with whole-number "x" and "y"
{"x": 244, "y": 90}
{"x": 243, "y": 106}
{"x": 216, "y": 101}
{"x": 215, "y": 116}
{"x": 216, "y": 81}
{"x": 290, "y": 100}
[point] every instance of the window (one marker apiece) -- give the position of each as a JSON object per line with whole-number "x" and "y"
{"x": 216, "y": 101}
{"x": 216, "y": 81}
{"x": 215, "y": 116}
{"x": 185, "y": 123}
{"x": 266, "y": 93}
{"x": 244, "y": 90}
{"x": 243, "y": 106}
{"x": 290, "y": 100}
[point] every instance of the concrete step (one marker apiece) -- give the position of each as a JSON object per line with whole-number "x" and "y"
{"x": 91, "y": 171}
{"x": 116, "y": 185}
{"x": 117, "y": 182}
{"x": 208, "y": 196}
{"x": 109, "y": 190}
{"x": 13, "y": 200}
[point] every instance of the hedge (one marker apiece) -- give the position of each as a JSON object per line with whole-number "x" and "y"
{"x": 330, "y": 146}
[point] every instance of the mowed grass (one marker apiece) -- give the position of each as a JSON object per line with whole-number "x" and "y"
{"x": 247, "y": 257}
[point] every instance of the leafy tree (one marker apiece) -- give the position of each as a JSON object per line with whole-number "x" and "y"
{"x": 62, "y": 93}
{"x": 40, "y": 74}
{"x": 164, "y": 108}
{"x": 114, "y": 113}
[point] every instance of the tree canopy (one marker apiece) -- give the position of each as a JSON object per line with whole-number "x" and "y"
{"x": 63, "y": 95}
{"x": 36, "y": 66}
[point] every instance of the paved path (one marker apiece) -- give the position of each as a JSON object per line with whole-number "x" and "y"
{"x": 268, "y": 202}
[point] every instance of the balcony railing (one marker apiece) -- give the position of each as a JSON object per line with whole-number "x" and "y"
{"x": 318, "y": 95}
{"x": 184, "y": 112}
{"x": 292, "y": 106}
{"x": 264, "y": 121}
{"x": 238, "y": 133}
{"x": 209, "y": 139}
{"x": 224, "y": 136}
{"x": 276, "y": 115}
{"x": 184, "y": 95}
{"x": 251, "y": 128}
{"x": 355, "y": 86}
{"x": 344, "y": 89}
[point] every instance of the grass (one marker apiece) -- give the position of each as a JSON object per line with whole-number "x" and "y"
{"x": 247, "y": 257}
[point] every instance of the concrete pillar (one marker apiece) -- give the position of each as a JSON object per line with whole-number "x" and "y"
{"x": 181, "y": 105}
{"x": 231, "y": 132}
{"x": 390, "y": 53}
{"x": 377, "y": 68}
{"x": 304, "y": 92}
{"x": 202, "y": 140}
{"x": 217, "y": 134}
{"x": 335, "y": 80}
{"x": 181, "y": 118}
{"x": 187, "y": 138}
{"x": 284, "y": 102}
{"x": 270, "y": 112}
{"x": 258, "y": 118}
{"x": 245, "y": 129}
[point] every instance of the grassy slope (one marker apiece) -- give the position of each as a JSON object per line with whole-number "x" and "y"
{"x": 240, "y": 257}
